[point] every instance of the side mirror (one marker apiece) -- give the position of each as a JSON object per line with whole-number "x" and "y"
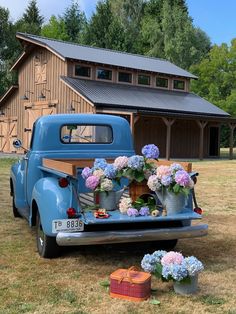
{"x": 17, "y": 144}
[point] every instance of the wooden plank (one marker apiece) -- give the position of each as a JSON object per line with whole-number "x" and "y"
{"x": 186, "y": 165}
{"x": 70, "y": 166}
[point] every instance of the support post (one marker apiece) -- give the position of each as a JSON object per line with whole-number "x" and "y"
{"x": 168, "y": 122}
{"x": 232, "y": 127}
{"x": 201, "y": 125}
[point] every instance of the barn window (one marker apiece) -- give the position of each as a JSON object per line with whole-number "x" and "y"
{"x": 84, "y": 133}
{"x": 104, "y": 74}
{"x": 144, "y": 79}
{"x": 162, "y": 82}
{"x": 179, "y": 84}
{"x": 125, "y": 77}
{"x": 81, "y": 70}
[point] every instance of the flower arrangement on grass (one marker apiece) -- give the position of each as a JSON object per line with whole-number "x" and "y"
{"x": 100, "y": 177}
{"x": 171, "y": 266}
{"x": 172, "y": 178}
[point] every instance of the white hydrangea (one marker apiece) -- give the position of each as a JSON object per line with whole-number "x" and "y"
{"x": 106, "y": 184}
{"x": 124, "y": 204}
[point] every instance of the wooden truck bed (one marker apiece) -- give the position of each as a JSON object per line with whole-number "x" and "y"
{"x": 69, "y": 166}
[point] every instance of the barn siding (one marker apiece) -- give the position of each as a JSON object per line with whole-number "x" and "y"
{"x": 59, "y": 92}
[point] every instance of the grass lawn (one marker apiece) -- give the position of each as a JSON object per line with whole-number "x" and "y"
{"x": 76, "y": 282}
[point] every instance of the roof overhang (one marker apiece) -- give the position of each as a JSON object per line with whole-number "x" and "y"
{"x": 8, "y": 93}
{"x": 145, "y": 100}
{"x": 24, "y": 39}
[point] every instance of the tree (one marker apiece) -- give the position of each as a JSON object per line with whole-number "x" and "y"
{"x": 55, "y": 28}
{"x": 103, "y": 29}
{"x": 75, "y": 22}
{"x": 217, "y": 82}
{"x": 31, "y": 21}
{"x": 167, "y": 31}
{"x": 7, "y": 49}
{"x": 129, "y": 14}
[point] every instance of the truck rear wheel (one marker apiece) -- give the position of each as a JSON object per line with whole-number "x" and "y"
{"x": 46, "y": 245}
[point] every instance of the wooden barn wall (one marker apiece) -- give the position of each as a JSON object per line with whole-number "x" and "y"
{"x": 55, "y": 67}
{"x": 185, "y": 137}
{"x": 150, "y": 130}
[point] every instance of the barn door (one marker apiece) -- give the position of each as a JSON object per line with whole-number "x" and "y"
{"x": 32, "y": 113}
{"x": 8, "y": 132}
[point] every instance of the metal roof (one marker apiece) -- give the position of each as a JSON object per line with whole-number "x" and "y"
{"x": 106, "y": 56}
{"x": 142, "y": 98}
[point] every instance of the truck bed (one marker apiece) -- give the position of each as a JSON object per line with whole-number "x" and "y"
{"x": 70, "y": 166}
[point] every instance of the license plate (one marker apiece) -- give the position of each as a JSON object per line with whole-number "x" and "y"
{"x": 67, "y": 225}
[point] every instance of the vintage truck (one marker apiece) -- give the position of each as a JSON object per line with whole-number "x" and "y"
{"x": 46, "y": 186}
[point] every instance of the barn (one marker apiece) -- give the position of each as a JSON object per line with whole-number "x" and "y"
{"x": 152, "y": 94}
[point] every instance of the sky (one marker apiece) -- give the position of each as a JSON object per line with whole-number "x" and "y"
{"x": 215, "y": 17}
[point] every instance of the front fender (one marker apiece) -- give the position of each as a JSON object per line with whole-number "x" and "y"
{"x": 52, "y": 202}
{"x": 17, "y": 178}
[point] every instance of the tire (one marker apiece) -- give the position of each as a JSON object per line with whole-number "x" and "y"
{"x": 46, "y": 245}
{"x": 15, "y": 211}
{"x": 167, "y": 244}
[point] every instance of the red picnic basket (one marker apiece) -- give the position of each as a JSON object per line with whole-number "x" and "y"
{"x": 130, "y": 284}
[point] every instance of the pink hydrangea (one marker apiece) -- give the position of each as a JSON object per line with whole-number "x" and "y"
{"x": 92, "y": 182}
{"x": 182, "y": 178}
{"x": 163, "y": 171}
{"x": 121, "y": 162}
{"x": 172, "y": 258}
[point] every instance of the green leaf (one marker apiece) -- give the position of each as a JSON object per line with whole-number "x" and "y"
{"x": 155, "y": 302}
{"x": 104, "y": 283}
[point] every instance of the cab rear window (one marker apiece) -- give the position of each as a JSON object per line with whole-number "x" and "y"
{"x": 83, "y": 133}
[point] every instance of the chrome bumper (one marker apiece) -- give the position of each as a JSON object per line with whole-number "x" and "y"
{"x": 122, "y": 236}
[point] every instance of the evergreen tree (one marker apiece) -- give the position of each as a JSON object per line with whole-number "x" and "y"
{"x": 75, "y": 22}
{"x": 104, "y": 30}
{"x": 7, "y": 49}
{"x": 31, "y": 21}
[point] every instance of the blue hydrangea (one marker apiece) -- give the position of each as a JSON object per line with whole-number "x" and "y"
{"x": 150, "y": 151}
{"x": 100, "y": 163}
{"x": 110, "y": 171}
{"x": 175, "y": 271}
{"x": 144, "y": 211}
{"x": 158, "y": 255}
{"x": 193, "y": 265}
{"x": 148, "y": 263}
{"x": 166, "y": 180}
{"x": 136, "y": 162}
{"x": 175, "y": 167}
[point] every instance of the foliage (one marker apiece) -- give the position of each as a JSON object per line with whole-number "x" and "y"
{"x": 216, "y": 81}
{"x": 55, "y": 28}
{"x": 103, "y": 30}
{"x": 167, "y": 32}
{"x": 31, "y": 21}
{"x": 75, "y": 22}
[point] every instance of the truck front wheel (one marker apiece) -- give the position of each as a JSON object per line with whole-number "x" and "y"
{"x": 47, "y": 246}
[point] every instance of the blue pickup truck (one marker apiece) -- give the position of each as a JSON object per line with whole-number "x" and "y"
{"x": 46, "y": 185}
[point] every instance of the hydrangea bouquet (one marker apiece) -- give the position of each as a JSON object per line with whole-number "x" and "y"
{"x": 173, "y": 178}
{"x": 138, "y": 167}
{"x": 100, "y": 178}
{"x": 171, "y": 266}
